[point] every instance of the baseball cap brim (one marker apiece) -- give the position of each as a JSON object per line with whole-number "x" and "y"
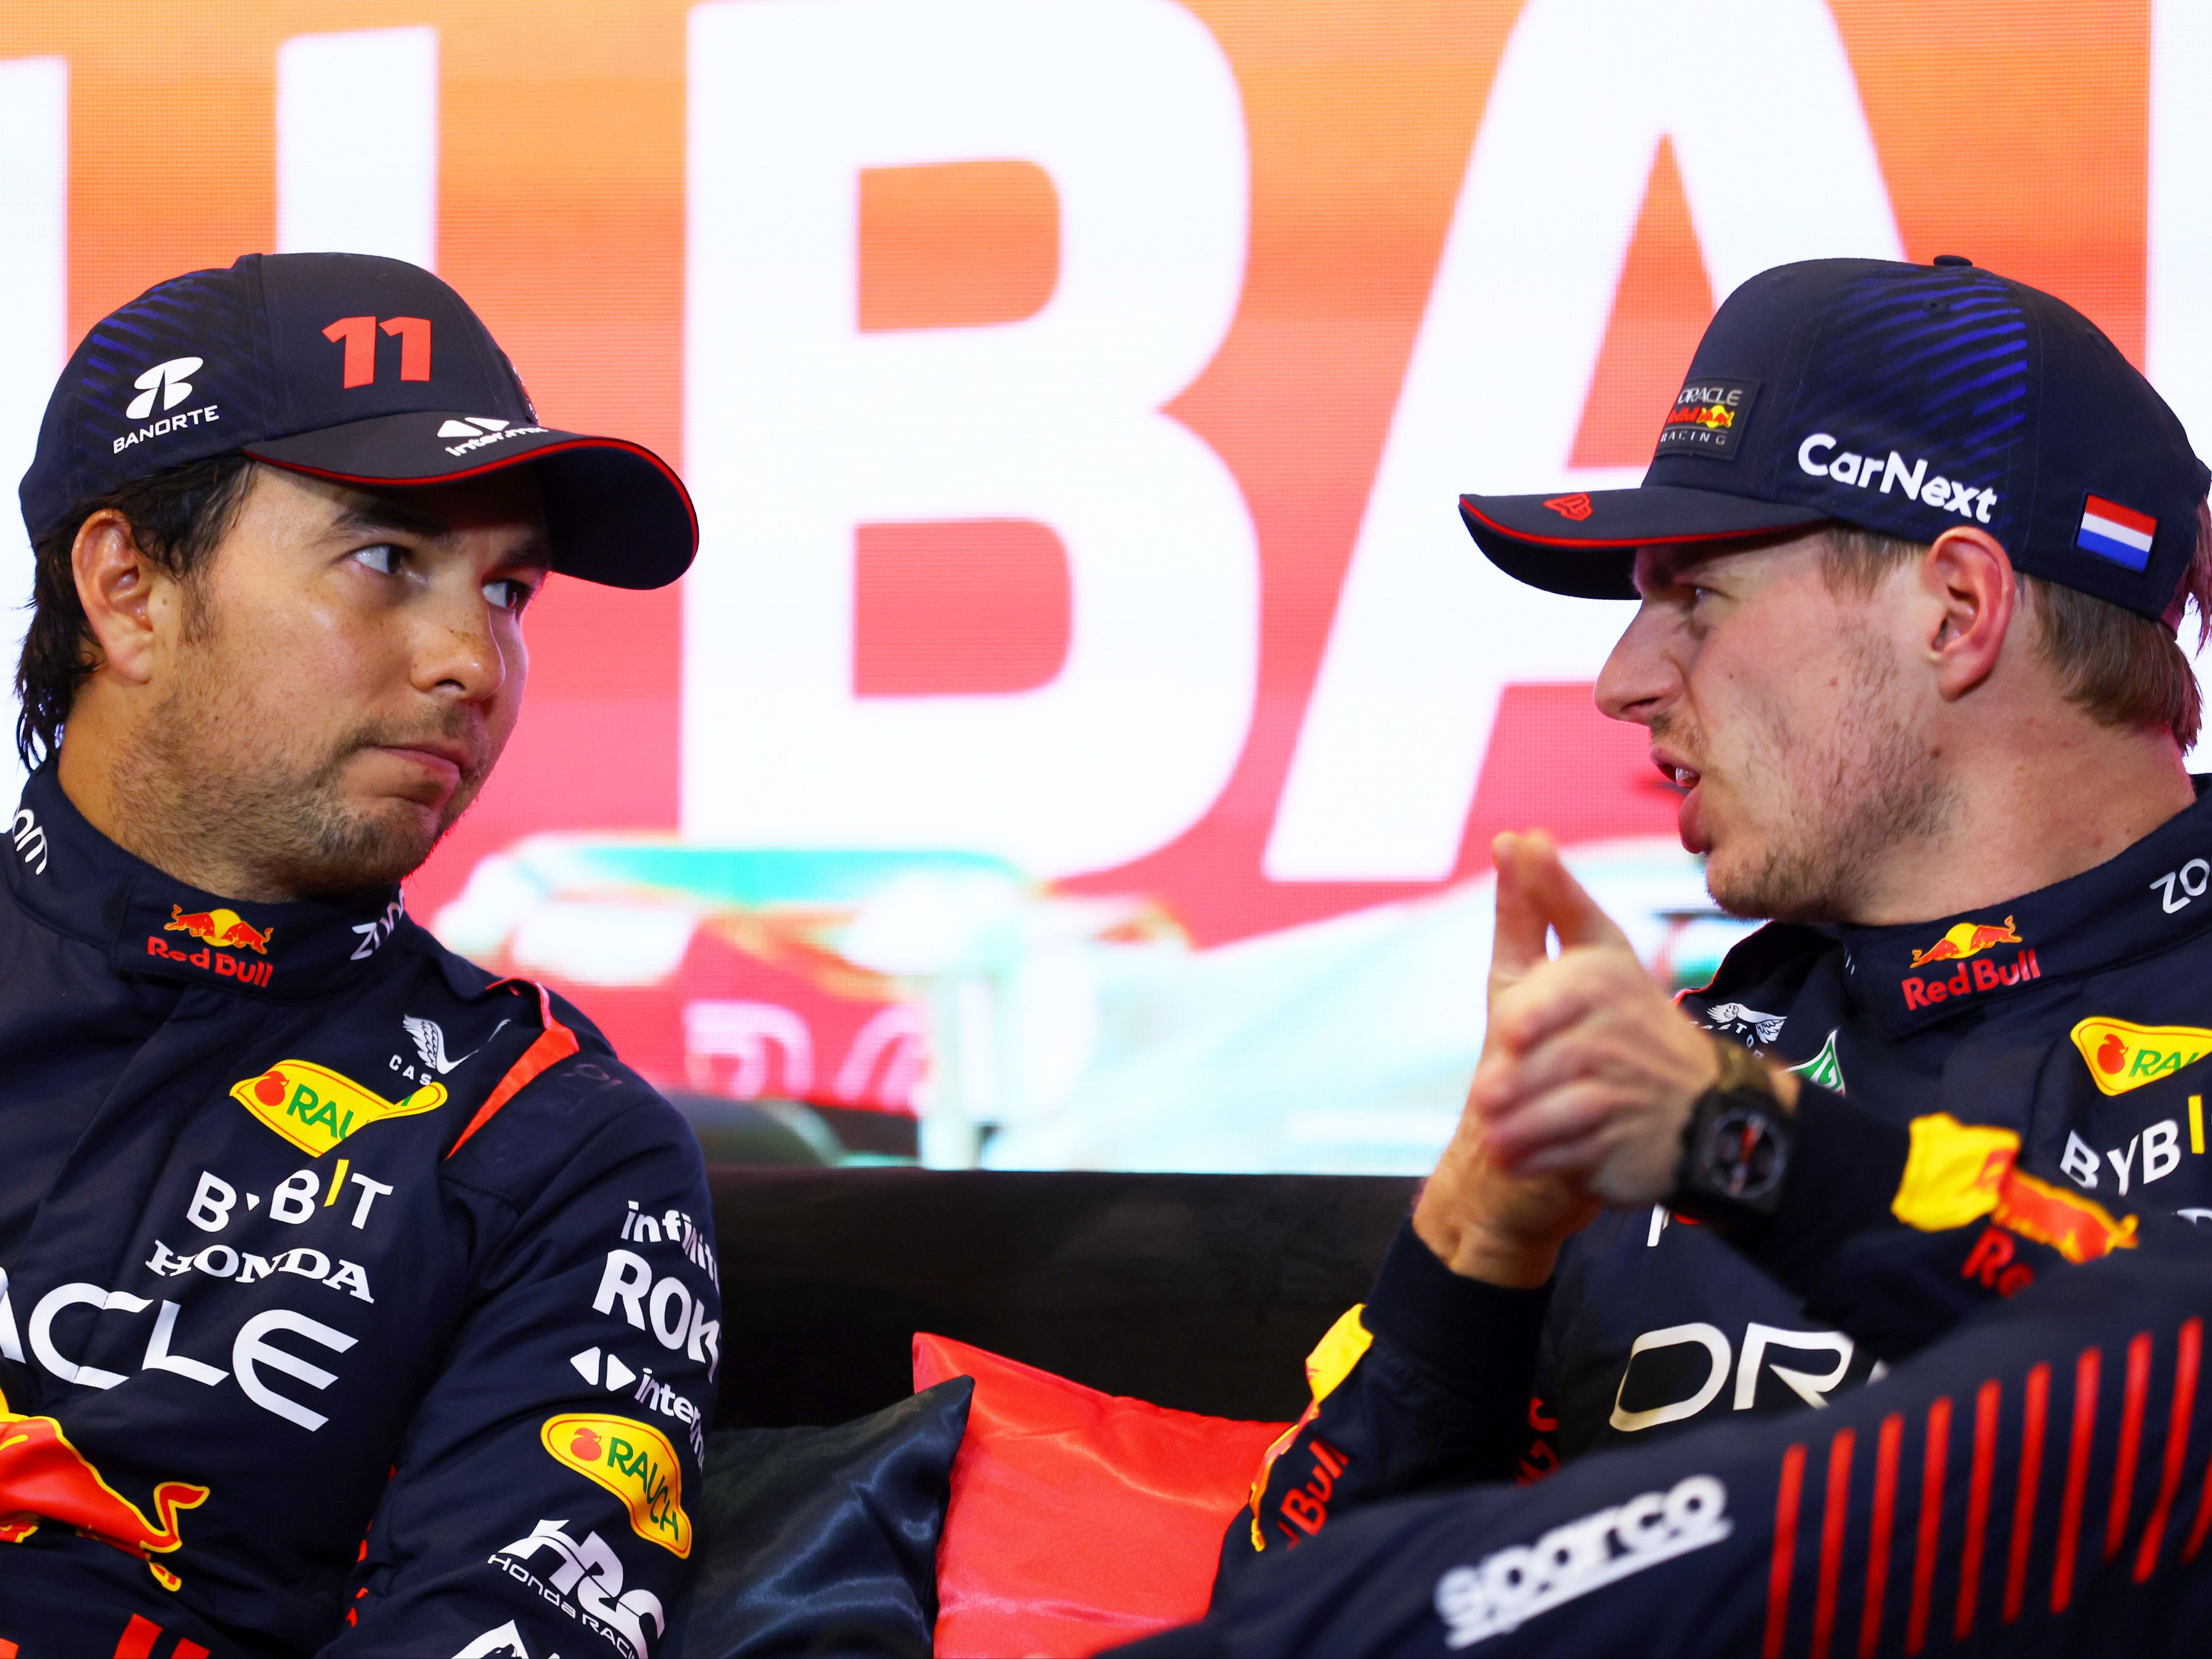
{"x": 615, "y": 512}
{"x": 1584, "y": 544}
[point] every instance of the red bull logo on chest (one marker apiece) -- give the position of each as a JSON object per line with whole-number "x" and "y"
{"x": 44, "y": 1478}
{"x": 219, "y": 931}
{"x": 1964, "y": 944}
{"x": 224, "y": 928}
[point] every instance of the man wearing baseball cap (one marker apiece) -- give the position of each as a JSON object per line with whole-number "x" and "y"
{"x": 352, "y": 1300}
{"x": 1911, "y": 556}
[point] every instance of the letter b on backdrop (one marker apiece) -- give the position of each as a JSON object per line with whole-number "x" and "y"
{"x": 802, "y": 426}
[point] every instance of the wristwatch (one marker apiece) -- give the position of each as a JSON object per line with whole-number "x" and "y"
{"x": 1736, "y": 1147}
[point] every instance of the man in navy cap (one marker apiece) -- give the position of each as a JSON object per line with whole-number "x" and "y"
{"x": 351, "y": 1299}
{"x": 1911, "y": 558}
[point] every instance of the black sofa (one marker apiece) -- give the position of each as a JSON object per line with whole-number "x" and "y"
{"x": 1201, "y": 1292}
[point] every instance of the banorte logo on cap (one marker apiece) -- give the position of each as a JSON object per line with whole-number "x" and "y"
{"x": 170, "y": 383}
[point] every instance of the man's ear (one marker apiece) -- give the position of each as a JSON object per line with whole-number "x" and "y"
{"x": 1969, "y": 581}
{"x": 117, "y": 584}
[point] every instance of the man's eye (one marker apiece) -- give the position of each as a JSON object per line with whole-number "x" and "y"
{"x": 384, "y": 559}
{"x": 509, "y": 593}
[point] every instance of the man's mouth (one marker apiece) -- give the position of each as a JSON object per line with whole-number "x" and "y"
{"x": 1690, "y": 823}
{"x": 449, "y": 761}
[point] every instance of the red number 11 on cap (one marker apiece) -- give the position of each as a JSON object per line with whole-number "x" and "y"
{"x": 358, "y": 335}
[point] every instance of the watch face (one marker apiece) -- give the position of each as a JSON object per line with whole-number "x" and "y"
{"x": 1740, "y": 1156}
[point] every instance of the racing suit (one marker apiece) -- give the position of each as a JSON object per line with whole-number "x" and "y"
{"x": 352, "y": 1300}
{"x": 1987, "y": 1099}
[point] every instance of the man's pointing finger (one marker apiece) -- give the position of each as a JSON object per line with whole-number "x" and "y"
{"x": 1564, "y": 904}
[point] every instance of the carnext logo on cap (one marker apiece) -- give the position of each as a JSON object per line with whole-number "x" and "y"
{"x": 1708, "y": 418}
{"x": 1818, "y": 455}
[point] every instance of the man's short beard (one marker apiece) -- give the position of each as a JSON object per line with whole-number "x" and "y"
{"x": 1868, "y": 785}
{"x": 193, "y": 776}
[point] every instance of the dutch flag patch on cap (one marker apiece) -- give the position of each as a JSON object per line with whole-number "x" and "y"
{"x": 2115, "y": 532}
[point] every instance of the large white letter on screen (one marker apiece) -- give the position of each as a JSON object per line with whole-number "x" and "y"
{"x": 1777, "y": 164}
{"x": 2179, "y": 325}
{"x": 357, "y": 144}
{"x": 35, "y": 299}
{"x": 800, "y": 428}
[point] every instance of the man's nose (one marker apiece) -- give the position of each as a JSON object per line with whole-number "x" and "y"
{"x": 456, "y": 651}
{"x": 1639, "y": 681}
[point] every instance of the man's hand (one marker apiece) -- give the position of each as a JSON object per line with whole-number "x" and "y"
{"x": 1589, "y": 1070}
{"x": 1480, "y": 1220}
{"x": 1588, "y": 1074}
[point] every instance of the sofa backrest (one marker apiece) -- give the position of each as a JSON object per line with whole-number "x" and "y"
{"x": 1201, "y": 1292}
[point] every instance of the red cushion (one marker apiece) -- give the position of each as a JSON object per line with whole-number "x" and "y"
{"x": 1079, "y": 1519}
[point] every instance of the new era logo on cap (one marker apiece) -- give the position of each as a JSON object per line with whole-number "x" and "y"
{"x": 2116, "y": 532}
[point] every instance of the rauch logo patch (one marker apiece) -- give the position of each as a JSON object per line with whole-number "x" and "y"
{"x": 636, "y": 1462}
{"x": 315, "y": 1108}
{"x": 2122, "y": 1055}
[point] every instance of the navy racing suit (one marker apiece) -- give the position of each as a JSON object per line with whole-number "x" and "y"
{"x": 1988, "y": 1099}
{"x": 351, "y": 1300}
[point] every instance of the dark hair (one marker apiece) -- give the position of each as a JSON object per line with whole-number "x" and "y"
{"x": 177, "y": 517}
{"x": 2122, "y": 669}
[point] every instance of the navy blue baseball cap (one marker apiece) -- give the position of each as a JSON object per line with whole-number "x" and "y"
{"x": 341, "y": 366}
{"x": 1903, "y": 399}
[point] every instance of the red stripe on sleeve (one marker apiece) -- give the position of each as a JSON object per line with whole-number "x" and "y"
{"x": 554, "y": 1043}
{"x": 2131, "y": 1422}
{"x": 1835, "y": 1512}
{"x": 2203, "y": 1520}
{"x": 2036, "y": 1415}
{"x": 2088, "y": 1371}
{"x": 1786, "y": 1551}
{"x": 1983, "y": 1476}
{"x": 2186, "y": 1355}
{"x": 1885, "y": 1514}
{"x": 1931, "y": 1522}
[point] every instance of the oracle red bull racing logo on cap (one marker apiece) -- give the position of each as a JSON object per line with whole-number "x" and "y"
{"x": 1707, "y": 417}
{"x": 1963, "y": 941}
{"x": 1713, "y": 417}
{"x": 217, "y": 930}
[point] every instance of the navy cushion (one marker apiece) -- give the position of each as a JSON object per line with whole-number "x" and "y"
{"x": 823, "y": 1541}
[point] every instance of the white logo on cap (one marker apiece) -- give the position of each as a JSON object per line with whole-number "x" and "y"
{"x": 1969, "y": 501}
{"x": 167, "y": 379}
{"x": 475, "y": 427}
